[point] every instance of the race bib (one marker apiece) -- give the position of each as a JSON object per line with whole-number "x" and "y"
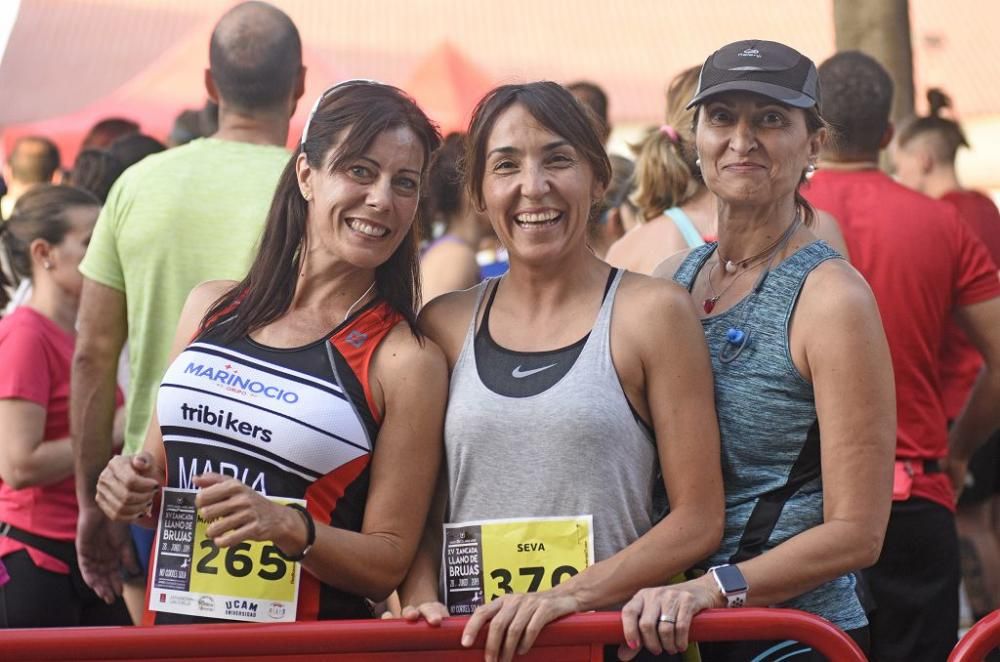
{"x": 249, "y": 581}
{"x": 486, "y": 559}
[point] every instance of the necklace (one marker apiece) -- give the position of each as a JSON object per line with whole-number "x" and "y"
{"x": 731, "y": 267}
{"x": 709, "y": 303}
{"x": 357, "y": 301}
{"x": 738, "y": 337}
{"x": 767, "y": 254}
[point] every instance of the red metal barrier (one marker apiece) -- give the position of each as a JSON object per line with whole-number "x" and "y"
{"x": 982, "y": 638}
{"x": 579, "y": 637}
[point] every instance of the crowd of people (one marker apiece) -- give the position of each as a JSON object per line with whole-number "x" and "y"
{"x": 502, "y": 374}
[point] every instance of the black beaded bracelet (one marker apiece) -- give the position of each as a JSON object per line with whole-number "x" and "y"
{"x": 310, "y": 533}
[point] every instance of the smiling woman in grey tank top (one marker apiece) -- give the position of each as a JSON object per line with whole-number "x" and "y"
{"x": 572, "y": 387}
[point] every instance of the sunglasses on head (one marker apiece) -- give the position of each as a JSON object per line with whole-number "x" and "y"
{"x": 330, "y": 90}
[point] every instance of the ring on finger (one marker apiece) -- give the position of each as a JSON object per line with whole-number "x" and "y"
{"x": 666, "y": 619}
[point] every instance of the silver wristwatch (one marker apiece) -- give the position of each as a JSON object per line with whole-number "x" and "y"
{"x": 732, "y": 584}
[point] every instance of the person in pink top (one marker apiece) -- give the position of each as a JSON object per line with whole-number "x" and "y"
{"x": 924, "y": 154}
{"x": 44, "y": 240}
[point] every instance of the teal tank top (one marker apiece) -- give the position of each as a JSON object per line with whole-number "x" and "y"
{"x": 769, "y": 429}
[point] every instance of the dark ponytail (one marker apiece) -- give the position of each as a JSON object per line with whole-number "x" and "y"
{"x": 948, "y": 132}
{"x": 39, "y": 214}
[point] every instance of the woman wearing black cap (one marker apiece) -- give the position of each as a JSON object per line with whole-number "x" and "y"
{"x": 797, "y": 348}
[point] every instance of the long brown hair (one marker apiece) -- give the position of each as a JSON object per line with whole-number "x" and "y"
{"x": 351, "y": 115}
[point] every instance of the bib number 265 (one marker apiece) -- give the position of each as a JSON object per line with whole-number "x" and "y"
{"x": 237, "y": 561}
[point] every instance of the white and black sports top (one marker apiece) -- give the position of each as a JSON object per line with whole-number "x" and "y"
{"x": 297, "y": 423}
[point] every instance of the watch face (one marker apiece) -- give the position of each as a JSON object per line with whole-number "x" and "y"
{"x": 731, "y": 579}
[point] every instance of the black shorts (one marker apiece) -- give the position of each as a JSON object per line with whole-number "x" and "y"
{"x": 35, "y": 597}
{"x": 983, "y": 478}
{"x": 915, "y": 585}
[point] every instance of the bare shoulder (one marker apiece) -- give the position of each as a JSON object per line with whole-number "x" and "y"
{"x": 647, "y": 304}
{"x": 669, "y": 266}
{"x": 448, "y": 251}
{"x": 201, "y": 298}
{"x": 406, "y": 357}
{"x": 205, "y": 294}
{"x": 642, "y": 247}
{"x": 621, "y": 253}
{"x": 446, "y": 318}
{"x": 827, "y": 228}
{"x": 835, "y": 293}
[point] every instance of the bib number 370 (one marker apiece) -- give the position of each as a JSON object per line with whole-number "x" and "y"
{"x": 534, "y": 576}
{"x": 486, "y": 559}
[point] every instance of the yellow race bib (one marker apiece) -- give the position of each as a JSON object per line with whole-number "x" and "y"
{"x": 486, "y": 559}
{"x": 249, "y": 581}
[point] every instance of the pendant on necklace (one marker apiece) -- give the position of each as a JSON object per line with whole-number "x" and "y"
{"x": 709, "y": 304}
{"x": 730, "y": 267}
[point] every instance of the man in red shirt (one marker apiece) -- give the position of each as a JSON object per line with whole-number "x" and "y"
{"x": 924, "y": 265}
{"x": 924, "y": 152}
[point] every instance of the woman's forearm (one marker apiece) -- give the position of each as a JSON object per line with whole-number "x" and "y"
{"x": 48, "y": 462}
{"x": 810, "y": 559}
{"x": 367, "y": 564}
{"x": 675, "y": 544}
{"x": 422, "y": 581}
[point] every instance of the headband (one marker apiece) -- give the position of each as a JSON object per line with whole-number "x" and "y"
{"x": 312, "y": 111}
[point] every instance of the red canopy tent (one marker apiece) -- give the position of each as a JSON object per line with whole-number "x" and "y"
{"x": 447, "y": 85}
{"x": 154, "y": 98}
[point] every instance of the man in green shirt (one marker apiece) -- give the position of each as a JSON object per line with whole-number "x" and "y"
{"x": 176, "y": 219}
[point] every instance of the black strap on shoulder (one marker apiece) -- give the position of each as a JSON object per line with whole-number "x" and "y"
{"x": 484, "y": 324}
{"x": 765, "y": 514}
{"x": 62, "y": 550}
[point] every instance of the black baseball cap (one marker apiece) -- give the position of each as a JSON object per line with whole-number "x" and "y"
{"x": 764, "y": 67}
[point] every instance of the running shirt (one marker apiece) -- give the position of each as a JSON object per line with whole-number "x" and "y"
{"x": 769, "y": 429}
{"x": 571, "y": 448}
{"x": 35, "y": 358}
{"x": 960, "y": 362}
{"x": 296, "y": 423}
{"x": 922, "y": 262}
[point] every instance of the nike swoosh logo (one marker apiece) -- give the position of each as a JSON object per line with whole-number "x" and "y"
{"x": 521, "y": 374}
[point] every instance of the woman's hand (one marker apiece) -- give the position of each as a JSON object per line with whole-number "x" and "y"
{"x": 515, "y": 621}
{"x": 237, "y": 513}
{"x": 432, "y": 612}
{"x": 678, "y": 603}
{"x": 127, "y": 486}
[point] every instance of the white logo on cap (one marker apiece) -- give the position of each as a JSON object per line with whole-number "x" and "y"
{"x": 750, "y": 52}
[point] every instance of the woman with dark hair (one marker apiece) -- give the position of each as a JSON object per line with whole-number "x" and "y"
{"x": 306, "y": 384}
{"x": 448, "y": 263}
{"x": 565, "y": 401}
{"x": 803, "y": 378}
{"x": 43, "y": 241}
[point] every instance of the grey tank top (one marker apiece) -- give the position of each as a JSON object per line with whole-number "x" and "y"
{"x": 573, "y": 449}
{"x": 769, "y": 430}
